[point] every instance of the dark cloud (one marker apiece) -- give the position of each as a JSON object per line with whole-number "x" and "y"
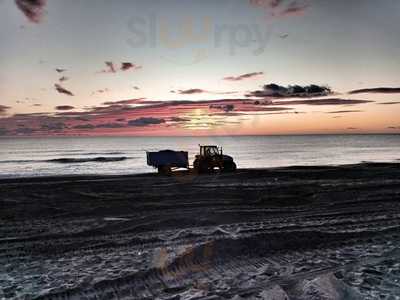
{"x": 108, "y": 109}
{"x": 136, "y": 88}
{"x": 326, "y": 101}
{"x": 191, "y": 91}
{"x": 74, "y": 114}
{"x": 389, "y": 103}
{"x": 283, "y": 36}
{"x": 37, "y": 105}
{"x": 394, "y": 127}
{"x": 145, "y": 121}
{"x": 223, "y": 93}
{"x": 344, "y": 111}
{"x": 101, "y": 91}
{"x": 3, "y": 131}
{"x": 110, "y": 67}
{"x": 31, "y": 115}
{"x": 179, "y": 119}
{"x": 243, "y": 76}
{"x": 125, "y": 66}
{"x": 382, "y": 90}
{"x": 267, "y": 3}
{"x": 226, "y": 107}
{"x": 281, "y": 8}
{"x": 84, "y": 126}
{"x": 295, "y": 8}
{"x": 281, "y": 113}
{"x": 351, "y": 128}
{"x": 62, "y": 79}
{"x": 124, "y": 102}
{"x": 200, "y": 91}
{"x": 265, "y": 108}
{"x": 58, "y": 70}
{"x": 32, "y": 9}
{"x": 3, "y": 109}
{"x": 24, "y": 131}
{"x": 64, "y": 107}
{"x": 293, "y": 91}
{"x": 58, "y": 126}
{"x": 110, "y": 125}
{"x": 82, "y": 118}
{"x": 62, "y": 90}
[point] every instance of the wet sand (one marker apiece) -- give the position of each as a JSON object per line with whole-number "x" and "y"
{"x": 298, "y": 232}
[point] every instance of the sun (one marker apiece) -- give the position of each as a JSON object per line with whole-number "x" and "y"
{"x": 199, "y": 120}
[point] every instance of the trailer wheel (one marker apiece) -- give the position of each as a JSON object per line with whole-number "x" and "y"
{"x": 164, "y": 170}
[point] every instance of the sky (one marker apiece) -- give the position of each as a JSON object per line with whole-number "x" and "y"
{"x": 180, "y": 67}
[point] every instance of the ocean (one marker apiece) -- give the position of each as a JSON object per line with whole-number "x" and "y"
{"x": 30, "y": 157}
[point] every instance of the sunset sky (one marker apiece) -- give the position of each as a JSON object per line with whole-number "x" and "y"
{"x": 226, "y": 67}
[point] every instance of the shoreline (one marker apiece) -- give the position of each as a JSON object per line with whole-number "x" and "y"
{"x": 77, "y": 177}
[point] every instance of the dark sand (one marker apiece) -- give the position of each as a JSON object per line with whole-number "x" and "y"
{"x": 299, "y": 232}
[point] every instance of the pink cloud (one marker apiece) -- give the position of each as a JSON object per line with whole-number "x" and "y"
{"x": 32, "y": 9}
{"x": 281, "y": 8}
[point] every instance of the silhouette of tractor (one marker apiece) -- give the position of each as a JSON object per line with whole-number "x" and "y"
{"x": 211, "y": 157}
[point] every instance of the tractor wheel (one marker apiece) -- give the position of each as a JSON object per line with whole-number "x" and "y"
{"x": 229, "y": 167}
{"x": 200, "y": 167}
{"x": 234, "y": 167}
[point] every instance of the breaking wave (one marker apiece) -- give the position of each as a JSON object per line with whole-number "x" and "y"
{"x": 67, "y": 160}
{"x": 104, "y": 153}
{"x": 84, "y": 160}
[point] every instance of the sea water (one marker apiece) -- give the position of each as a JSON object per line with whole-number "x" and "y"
{"x": 26, "y": 157}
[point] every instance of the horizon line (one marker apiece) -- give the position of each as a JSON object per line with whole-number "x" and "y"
{"x": 193, "y": 136}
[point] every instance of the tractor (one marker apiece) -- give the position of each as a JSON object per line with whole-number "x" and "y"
{"x": 211, "y": 157}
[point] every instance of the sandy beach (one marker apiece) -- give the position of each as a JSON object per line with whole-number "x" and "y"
{"x": 284, "y": 233}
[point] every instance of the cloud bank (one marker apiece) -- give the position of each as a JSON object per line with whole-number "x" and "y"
{"x": 382, "y": 90}
{"x": 292, "y": 91}
{"x": 146, "y": 116}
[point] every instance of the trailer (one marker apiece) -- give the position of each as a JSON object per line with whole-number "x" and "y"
{"x": 167, "y": 160}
